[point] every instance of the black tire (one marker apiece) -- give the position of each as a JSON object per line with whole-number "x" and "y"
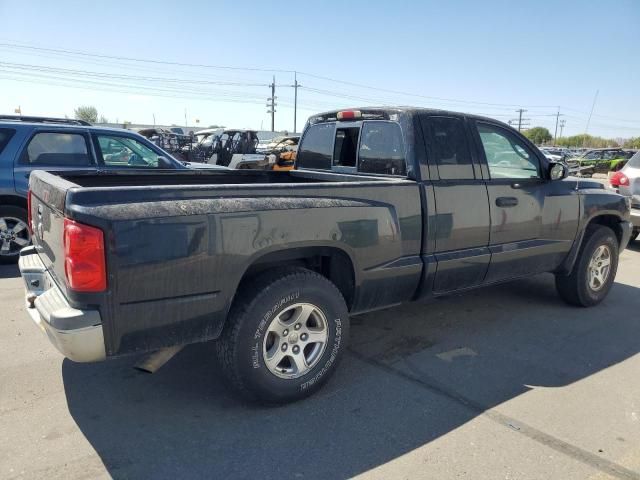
{"x": 9, "y": 214}
{"x": 634, "y": 235}
{"x": 260, "y": 301}
{"x": 574, "y": 288}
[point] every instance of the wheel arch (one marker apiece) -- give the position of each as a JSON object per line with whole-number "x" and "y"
{"x": 605, "y": 219}
{"x": 13, "y": 201}
{"x": 332, "y": 262}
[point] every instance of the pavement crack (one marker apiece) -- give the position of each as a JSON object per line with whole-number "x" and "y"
{"x": 423, "y": 381}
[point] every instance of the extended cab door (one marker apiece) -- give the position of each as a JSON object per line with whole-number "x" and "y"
{"x": 52, "y": 150}
{"x": 533, "y": 219}
{"x": 460, "y": 226}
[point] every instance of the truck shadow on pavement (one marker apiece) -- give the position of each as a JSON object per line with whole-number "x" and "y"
{"x": 9, "y": 271}
{"x": 412, "y": 374}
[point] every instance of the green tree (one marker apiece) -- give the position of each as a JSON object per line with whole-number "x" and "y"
{"x": 587, "y": 141}
{"x": 538, "y": 135}
{"x": 87, "y": 113}
{"x": 632, "y": 143}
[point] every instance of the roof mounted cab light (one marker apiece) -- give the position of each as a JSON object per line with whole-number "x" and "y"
{"x": 349, "y": 115}
{"x": 84, "y": 262}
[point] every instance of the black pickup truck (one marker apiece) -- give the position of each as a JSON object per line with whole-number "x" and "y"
{"x": 386, "y": 206}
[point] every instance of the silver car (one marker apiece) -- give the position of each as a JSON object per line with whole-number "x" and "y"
{"x": 627, "y": 182}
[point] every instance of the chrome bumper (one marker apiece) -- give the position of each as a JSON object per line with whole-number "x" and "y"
{"x": 77, "y": 334}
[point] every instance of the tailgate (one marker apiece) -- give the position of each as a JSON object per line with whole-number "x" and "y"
{"x": 48, "y": 193}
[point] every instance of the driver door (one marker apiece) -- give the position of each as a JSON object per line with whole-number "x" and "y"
{"x": 526, "y": 236}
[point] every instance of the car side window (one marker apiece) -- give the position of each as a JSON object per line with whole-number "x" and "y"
{"x": 381, "y": 149}
{"x": 5, "y": 136}
{"x": 316, "y": 148}
{"x": 57, "y": 149}
{"x": 507, "y": 156}
{"x": 126, "y": 152}
{"x": 449, "y": 148}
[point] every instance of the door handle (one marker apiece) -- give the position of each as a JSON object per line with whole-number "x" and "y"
{"x": 506, "y": 201}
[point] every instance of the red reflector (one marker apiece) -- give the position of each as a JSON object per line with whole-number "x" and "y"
{"x": 349, "y": 114}
{"x": 29, "y": 214}
{"x": 84, "y": 264}
{"x": 618, "y": 179}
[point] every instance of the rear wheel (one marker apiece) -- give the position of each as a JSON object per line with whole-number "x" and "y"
{"x": 284, "y": 336}
{"x": 634, "y": 235}
{"x": 594, "y": 271}
{"x": 14, "y": 233}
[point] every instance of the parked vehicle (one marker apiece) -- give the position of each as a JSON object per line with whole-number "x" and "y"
{"x": 202, "y": 145}
{"x": 281, "y": 155}
{"x": 601, "y": 160}
{"x": 53, "y": 144}
{"x": 627, "y": 183}
{"x": 236, "y": 149}
{"x": 385, "y": 206}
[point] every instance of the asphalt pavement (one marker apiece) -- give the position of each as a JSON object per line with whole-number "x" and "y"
{"x": 505, "y": 382}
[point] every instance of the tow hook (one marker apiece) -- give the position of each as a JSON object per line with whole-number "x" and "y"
{"x": 31, "y": 298}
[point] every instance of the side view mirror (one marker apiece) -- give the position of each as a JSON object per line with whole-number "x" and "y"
{"x": 164, "y": 162}
{"x": 558, "y": 171}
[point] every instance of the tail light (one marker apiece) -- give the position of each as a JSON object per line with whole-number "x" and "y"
{"x": 84, "y": 259}
{"x": 619, "y": 179}
{"x": 29, "y": 214}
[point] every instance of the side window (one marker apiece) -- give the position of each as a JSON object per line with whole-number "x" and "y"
{"x": 5, "y": 136}
{"x": 57, "y": 149}
{"x": 126, "y": 152}
{"x": 450, "y": 148}
{"x": 346, "y": 147}
{"x": 507, "y": 156}
{"x": 382, "y": 149}
{"x": 316, "y": 148}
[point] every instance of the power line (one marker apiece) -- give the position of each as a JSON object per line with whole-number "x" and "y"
{"x": 134, "y": 59}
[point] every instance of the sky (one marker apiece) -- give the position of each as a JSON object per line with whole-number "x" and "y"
{"x": 211, "y": 62}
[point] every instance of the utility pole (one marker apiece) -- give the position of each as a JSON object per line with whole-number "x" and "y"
{"x": 562, "y": 123}
{"x": 295, "y": 101}
{"x": 185, "y": 118}
{"x": 555, "y": 136}
{"x": 271, "y": 104}
{"x": 520, "y": 112}
{"x": 593, "y": 105}
{"x": 522, "y": 122}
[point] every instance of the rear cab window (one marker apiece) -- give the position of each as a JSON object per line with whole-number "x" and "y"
{"x": 370, "y": 146}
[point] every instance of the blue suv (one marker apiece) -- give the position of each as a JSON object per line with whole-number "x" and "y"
{"x": 53, "y": 144}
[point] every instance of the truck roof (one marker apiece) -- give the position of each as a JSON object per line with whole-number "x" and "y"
{"x": 386, "y": 111}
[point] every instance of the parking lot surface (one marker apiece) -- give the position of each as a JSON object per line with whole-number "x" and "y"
{"x": 503, "y": 382}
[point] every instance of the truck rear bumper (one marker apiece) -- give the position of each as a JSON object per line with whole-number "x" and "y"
{"x": 76, "y": 333}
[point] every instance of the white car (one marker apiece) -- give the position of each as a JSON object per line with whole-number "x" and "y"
{"x": 627, "y": 182}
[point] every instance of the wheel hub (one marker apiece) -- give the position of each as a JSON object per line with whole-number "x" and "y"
{"x": 295, "y": 340}
{"x": 599, "y": 268}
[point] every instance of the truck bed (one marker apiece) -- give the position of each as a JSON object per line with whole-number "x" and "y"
{"x": 178, "y": 243}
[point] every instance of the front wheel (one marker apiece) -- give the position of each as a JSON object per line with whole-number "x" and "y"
{"x": 594, "y": 271}
{"x": 284, "y": 336}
